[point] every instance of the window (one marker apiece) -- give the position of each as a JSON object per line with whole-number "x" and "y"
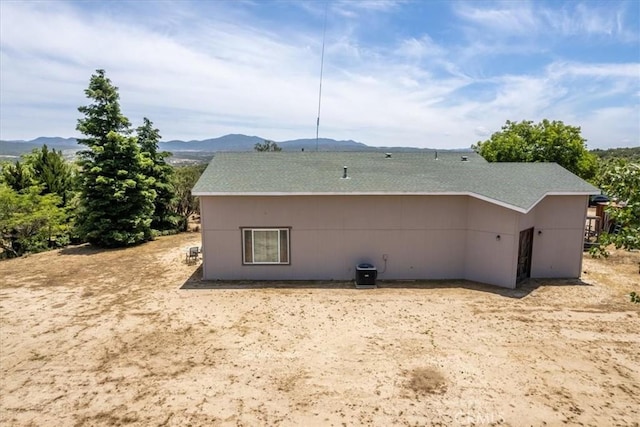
{"x": 265, "y": 246}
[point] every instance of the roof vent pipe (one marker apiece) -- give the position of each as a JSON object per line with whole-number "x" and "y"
{"x": 344, "y": 174}
{"x": 436, "y": 155}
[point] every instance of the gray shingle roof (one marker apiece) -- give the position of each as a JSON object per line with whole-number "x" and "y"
{"x": 518, "y": 186}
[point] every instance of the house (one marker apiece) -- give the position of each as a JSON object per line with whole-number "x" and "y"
{"x": 426, "y": 215}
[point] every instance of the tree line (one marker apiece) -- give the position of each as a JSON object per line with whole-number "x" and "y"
{"x": 629, "y": 153}
{"x": 120, "y": 192}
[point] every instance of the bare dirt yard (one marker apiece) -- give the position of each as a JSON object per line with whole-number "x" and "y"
{"x": 132, "y": 337}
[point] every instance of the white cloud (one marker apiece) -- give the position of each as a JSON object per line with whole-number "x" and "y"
{"x": 482, "y": 131}
{"x": 352, "y": 8}
{"x": 526, "y": 18}
{"x": 591, "y": 19}
{"x": 612, "y": 127}
{"x": 512, "y": 17}
{"x": 222, "y": 75}
{"x": 423, "y": 47}
{"x": 610, "y": 71}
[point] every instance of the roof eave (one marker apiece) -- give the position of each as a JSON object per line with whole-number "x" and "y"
{"x": 562, "y": 193}
{"x": 519, "y": 209}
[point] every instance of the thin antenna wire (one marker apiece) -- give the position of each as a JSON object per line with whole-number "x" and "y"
{"x": 324, "y": 33}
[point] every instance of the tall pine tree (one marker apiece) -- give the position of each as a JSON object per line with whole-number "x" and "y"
{"x": 116, "y": 196}
{"x": 162, "y": 175}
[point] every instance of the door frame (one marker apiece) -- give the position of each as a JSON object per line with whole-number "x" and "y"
{"x": 525, "y": 254}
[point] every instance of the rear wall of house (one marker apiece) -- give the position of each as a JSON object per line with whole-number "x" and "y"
{"x": 492, "y": 243}
{"x": 422, "y": 237}
{"x": 558, "y": 236}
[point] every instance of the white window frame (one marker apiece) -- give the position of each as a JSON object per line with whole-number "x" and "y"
{"x": 252, "y": 230}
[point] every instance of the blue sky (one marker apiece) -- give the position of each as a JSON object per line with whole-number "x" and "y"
{"x": 440, "y": 74}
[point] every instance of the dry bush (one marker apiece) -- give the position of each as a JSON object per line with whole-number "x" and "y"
{"x": 427, "y": 381}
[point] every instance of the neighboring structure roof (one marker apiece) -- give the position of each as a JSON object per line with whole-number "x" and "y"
{"x": 517, "y": 186}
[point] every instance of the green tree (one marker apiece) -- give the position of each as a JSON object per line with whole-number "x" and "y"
{"x": 162, "y": 177}
{"x": 51, "y": 171}
{"x": 620, "y": 179}
{"x": 42, "y": 167}
{"x": 30, "y": 222}
{"x": 34, "y": 202}
{"x": 18, "y": 176}
{"x": 186, "y": 204}
{"x": 266, "y": 146}
{"x": 629, "y": 153}
{"x": 547, "y": 141}
{"x": 116, "y": 200}
{"x": 103, "y": 115}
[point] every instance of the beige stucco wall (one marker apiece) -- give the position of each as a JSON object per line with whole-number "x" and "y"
{"x": 489, "y": 259}
{"x": 423, "y": 237}
{"x": 558, "y": 236}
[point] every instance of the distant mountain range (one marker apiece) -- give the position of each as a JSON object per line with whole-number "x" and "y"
{"x": 231, "y": 142}
{"x": 16, "y": 148}
{"x": 239, "y": 142}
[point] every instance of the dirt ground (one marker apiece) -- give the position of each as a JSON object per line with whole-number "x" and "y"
{"x": 132, "y": 337}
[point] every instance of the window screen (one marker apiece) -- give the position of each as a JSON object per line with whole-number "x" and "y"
{"x": 265, "y": 245}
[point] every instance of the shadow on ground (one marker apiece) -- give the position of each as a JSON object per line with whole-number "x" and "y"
{"x": 195, "y": 282}
{"x": 87, "y": 249}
